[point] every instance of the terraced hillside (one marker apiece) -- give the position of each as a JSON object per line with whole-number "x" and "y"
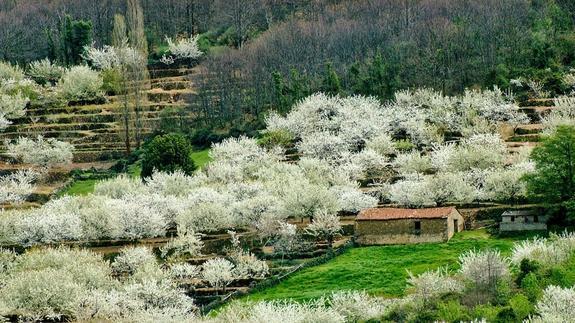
{"x": 528, "y": 135}
{"x": 95, "y": 130}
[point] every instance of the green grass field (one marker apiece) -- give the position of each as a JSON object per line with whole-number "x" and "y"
{"x": 201, "y": 157}
{"x": 380, "y": 270}
{"x": 82, "y": 187}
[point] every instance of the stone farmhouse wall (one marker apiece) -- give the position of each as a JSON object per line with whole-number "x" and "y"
{"x": 402, "y": 231}
{"x": 523, "y": 223}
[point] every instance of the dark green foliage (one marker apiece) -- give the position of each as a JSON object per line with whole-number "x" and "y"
{"x": 530, "y": 286}
{"x": 112, "y": 81}
{"x": 503, "y": 292}
{"x": 375, "y": 77}
{"x": 205, "y": 137}
{"x": 554, "y": 178}
{"x": 331, "y": 83}
{"x": 76, "y": 34}
{"x": 506, "y": 315}
{"x": 499, "y": 76}
{"x": 556, "y": 275}
{"x": 527, "y": 266}
{"x": 453, "y": 311}
{"x": 167, "y": 153}
{"x": 288, "y": 91}
{"x": 521, "y": 306}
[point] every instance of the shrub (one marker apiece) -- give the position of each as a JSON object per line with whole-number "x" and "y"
{"x": 531, "y": 288}
{"x": 186, "y": 245}
{"x": 132, "y": 259}
{"x": 527, "y": 266}
{"x": 81, "y": 83}
{"x": 42, "y": 152}
{"x": 111, "y": 79}
{"x": 452, "y": 311}
{"x": 10, "y": 72}
{"x": 521, "y": 306}
{"x": 45, "y": 72}
{"x": 119, "y": 187}
{"x": 485, "y": 311}
{"x": 184, "y": 271}
{"x": 168, "y": 153}
{"x": 218, "y": 272}
{"x": 358, "y": 306}
{"x": 404, "y": 145}
{"x": 11, "y": 106}
{"x": 276, "y": 138}
{"x": 484, "y": 269}
{"x": 48, "y": 284}
{"x": 432, "y": 284}
{"x": 557, "y": 304}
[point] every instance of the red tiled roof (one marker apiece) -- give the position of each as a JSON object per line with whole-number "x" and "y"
{"x": 394, "y": 214}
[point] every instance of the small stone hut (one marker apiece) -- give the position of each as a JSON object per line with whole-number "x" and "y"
{"x": 376, "y": 226}
{"x": 522, "y": 220}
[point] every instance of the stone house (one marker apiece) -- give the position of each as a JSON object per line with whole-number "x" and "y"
{"x": 375, "y": 226}
{"x": 522, "y": 220}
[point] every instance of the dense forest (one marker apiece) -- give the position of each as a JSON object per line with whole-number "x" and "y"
{"x": 269, "y": 53}
{"x": 377, "y": 47}
{"x": 31, "y": 30}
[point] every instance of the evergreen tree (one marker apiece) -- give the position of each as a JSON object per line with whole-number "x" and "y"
{"x": 76, "y": 34}
{"x": 331, "y": 83}
{"x": 168, "y": 153}
{"x": 281, "y": 100}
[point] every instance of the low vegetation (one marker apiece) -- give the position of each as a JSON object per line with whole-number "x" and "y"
{"x": 380, "y": 270}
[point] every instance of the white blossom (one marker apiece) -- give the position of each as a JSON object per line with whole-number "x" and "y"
{"x": 186, "y": 244}
{"x": 81, "y": 83}
{"x": 14, "y": 188}
{"x": 556, "y": 305}
{"x": 483, "y": 268}
{"x": 218, "y": 272}
{"x": 552, "y": 251}
{"x": 132, "y": 259}
{"x": 184, "y": 47}
{"x": 432, "y": 284}
{"x": 42, "y": 152}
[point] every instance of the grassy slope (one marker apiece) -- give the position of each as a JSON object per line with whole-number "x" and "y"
{"x": 83, "y": 187}
{"x": 201, "y": 157}
{"x": 379, "y": 270}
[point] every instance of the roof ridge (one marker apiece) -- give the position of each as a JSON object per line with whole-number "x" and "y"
{"x": 404, "y": 213}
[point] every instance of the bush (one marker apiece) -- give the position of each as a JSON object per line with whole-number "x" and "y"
{"x": 486, "y": 311}
{"x": 521, "y": 306}
{"x": 506, "y": 315}
{"x": 81, "y": 83}
{"x": 45, "y": 72}
{"x": 531, "y": 288}
{"x": 168, "y": 153}
{"x": 10, "y": 72}
{"x": 276, "y": 138}
{"x": 404, "y": 145}
{"x": 111, "y": 81}
{"x": 205, "y": 137}
{"x": 452, "y": 311}
{"x": 527, "y": 266}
